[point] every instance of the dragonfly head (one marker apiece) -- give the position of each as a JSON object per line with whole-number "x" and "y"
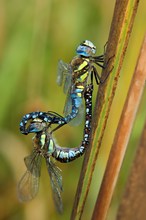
{"x": 86, "y": 49}
{"x": 36, "y": 126}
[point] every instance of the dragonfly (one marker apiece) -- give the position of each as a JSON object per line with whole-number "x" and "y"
{"x": 75, "y": 77}
{"x": 44, "y": 146}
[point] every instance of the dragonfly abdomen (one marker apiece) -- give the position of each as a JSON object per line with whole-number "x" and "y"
{"x": 66, "y": 155}
{"x": 29, "y": 122}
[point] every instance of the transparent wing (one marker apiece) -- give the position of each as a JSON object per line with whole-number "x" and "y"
{"x": 68, "y": 109}
{"x": 64, "y": 75}
{"x": 68, "y": 105}
{"x": 29, "y": 183}
{"x": 56, "y": 183}
{"x": 80, "y": 116}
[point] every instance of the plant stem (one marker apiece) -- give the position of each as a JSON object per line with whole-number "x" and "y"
{"x": 121, "y": 137}
{"x": 121, "y": 27}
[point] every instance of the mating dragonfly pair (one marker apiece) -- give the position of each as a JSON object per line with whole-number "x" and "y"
{"x": 78, "y": 84}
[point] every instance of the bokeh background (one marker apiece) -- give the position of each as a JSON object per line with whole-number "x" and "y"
{"x": 34, "y": 35}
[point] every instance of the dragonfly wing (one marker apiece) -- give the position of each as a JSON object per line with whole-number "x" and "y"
{"x": 29, "y": 183}
{"x": 56, "y": 183}
{"x": 68, "y": 109}
{"x": 79, "y": 117}
{"x": 64, "y": 75}
{"x": 68, "y": 105}
{"x": 60, "y": 74}
{"x": 67, "y": 81}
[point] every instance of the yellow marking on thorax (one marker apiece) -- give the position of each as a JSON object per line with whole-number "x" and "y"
{"x": 82, "y": 65}
{"x": 42, "y": 140}
{"x": 51, "y": 146}
{"x": 84, "y": 76}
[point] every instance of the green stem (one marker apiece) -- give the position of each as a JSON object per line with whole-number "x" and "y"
{"x": 124, "y": 14}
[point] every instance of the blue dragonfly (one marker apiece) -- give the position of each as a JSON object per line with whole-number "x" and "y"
{"x": 44, "y": 146}
{"x": 75, "y": 76}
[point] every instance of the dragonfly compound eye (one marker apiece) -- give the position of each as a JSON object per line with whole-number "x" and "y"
{"x": 86, "y": 48}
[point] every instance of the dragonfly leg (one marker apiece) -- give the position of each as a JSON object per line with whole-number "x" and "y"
{"x": 55, "y": 129}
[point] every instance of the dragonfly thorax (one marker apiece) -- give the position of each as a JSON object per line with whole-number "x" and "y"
{"x": 81, "y": 68}
{"x": 44, "y": 143}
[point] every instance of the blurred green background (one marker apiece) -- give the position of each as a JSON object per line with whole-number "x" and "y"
{"x": 34, "y": 35}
